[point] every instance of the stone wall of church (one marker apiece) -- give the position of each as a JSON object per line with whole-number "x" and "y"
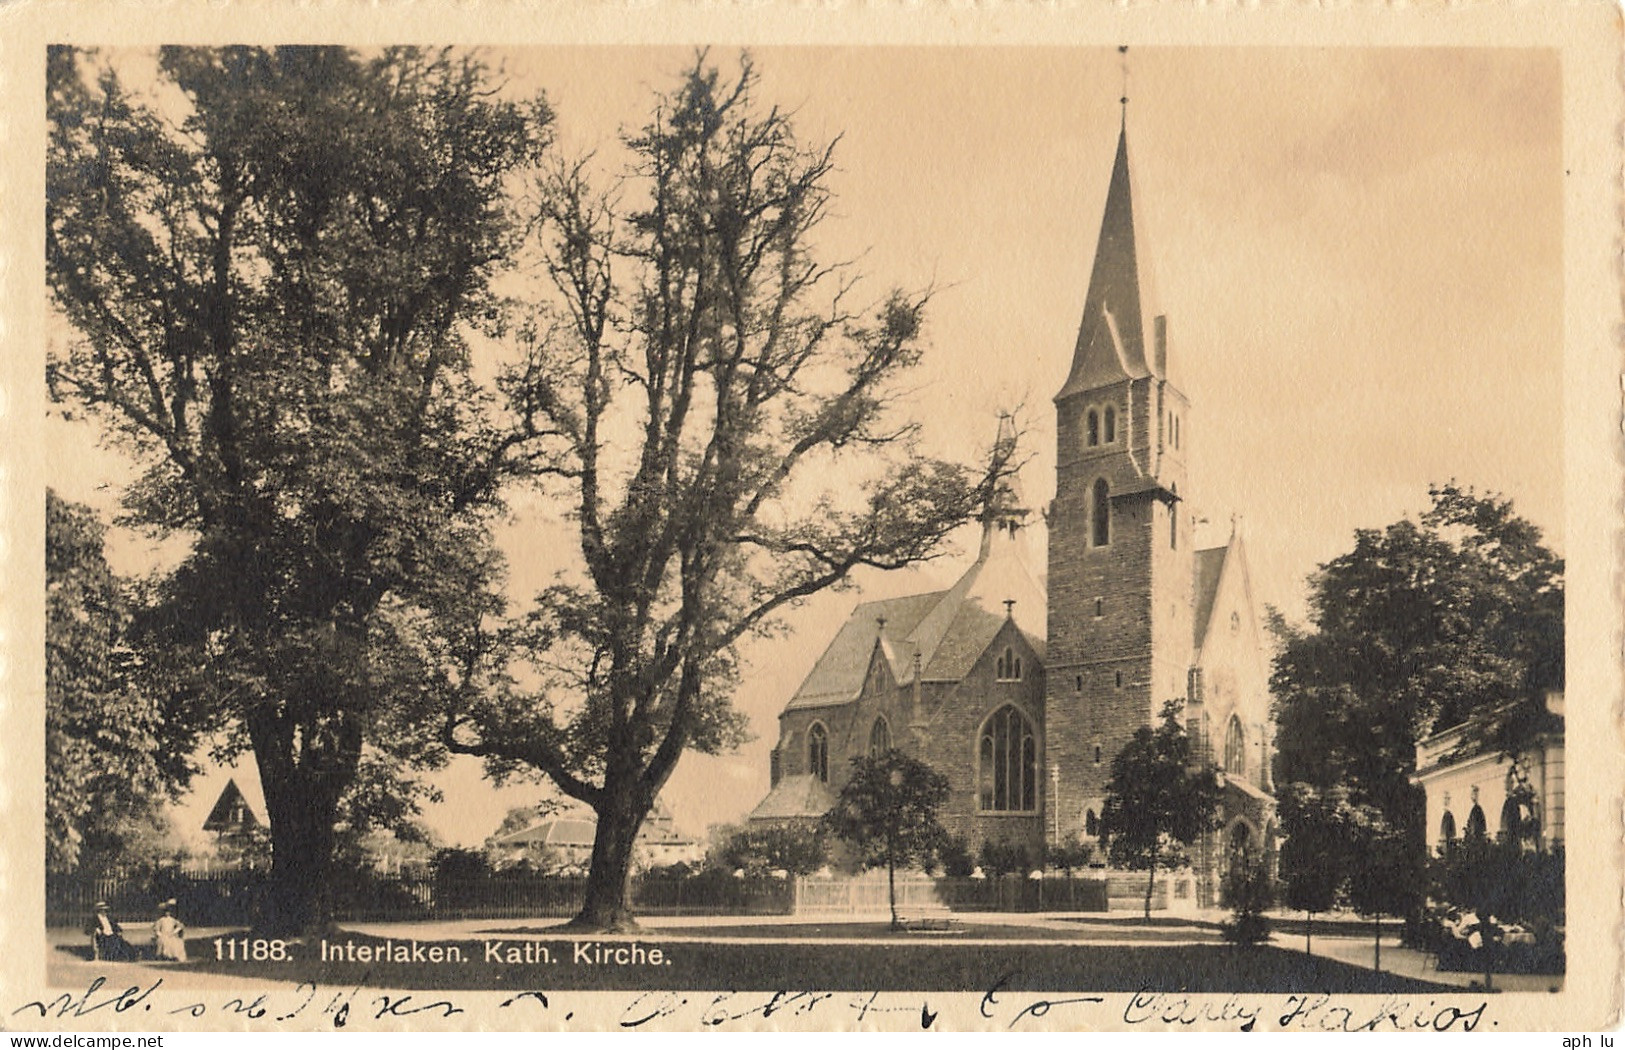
{"x": 794, "y": 729}
{"x": 951, "y": 738}
{"x": 1098, "y": 666}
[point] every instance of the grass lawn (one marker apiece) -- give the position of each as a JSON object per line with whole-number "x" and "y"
{"x": 962, "y": 928}
{"x": 915, "y": 962}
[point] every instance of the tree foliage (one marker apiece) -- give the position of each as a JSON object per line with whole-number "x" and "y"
{"x": 1423, "y": 625}
{"x": 1315, "y": 860}
{"x": 113, "y": 756}
{"x": 1159, "y": 800}
{"x": 887, "y": 810}
{"x": 1455, "y": 618}
{"x": 793, "y": 848}
{"x": 698, "y": 376}
{"x": 272, "y": 263}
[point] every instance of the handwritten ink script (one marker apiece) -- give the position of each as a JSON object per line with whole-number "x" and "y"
{"x": 306, "y": 1004}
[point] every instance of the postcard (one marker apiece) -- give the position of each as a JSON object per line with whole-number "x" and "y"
{"x": 1069, "y": 517}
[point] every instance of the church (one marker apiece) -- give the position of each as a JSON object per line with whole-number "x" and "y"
{"x": 1020, "y": 685}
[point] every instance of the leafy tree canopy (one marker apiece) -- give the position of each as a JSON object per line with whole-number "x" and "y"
{"x": 887, "y": 810}
{"x": 1425, "y": 624}
{"x": 1159, "y": 800}
{"x": 698, "y": 376}
{"x": 272, "y": 263}
{"x": 113, "y": 755}
{"x": 793, "y": 848}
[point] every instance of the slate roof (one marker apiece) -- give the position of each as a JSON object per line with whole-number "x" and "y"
{"x": 948, "y": 629}
{"x": 564, "y": 831}
{"x": 576, "y": 830}
{"x": 967, "y": 638}
{"x": 1112, "y": 343}
{"x": 803, "y": 795}
{"x": 838, "y": 674}
{"x": 1209, "y": 567}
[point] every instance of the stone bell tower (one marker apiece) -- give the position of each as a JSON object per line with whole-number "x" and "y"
{"x": 1120, "y": 561}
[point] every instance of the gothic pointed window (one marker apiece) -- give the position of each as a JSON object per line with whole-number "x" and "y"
{"x": 1007, "y": 763}
{"x": 1111, "y": 425}
{"x": 1100, "y": 515}
{"x": 1091, "y": 428}
{"x": 818, "y": 752}
{"x": 1235, "y": 748}
{"x": 1007, "y": 668}
{"x": 879, "y": 738}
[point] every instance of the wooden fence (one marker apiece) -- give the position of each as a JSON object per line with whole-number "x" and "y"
{"x": 230, "y": 898}
{"x": 920, "y": 894}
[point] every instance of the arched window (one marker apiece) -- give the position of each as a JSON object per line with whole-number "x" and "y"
{"x": 1111, "y": 424}
{"x": 1447, "y": 829}
{"x": 1007, "y": 760}
{"x": 1476, "y": 828}
{"x": 1091, "y": 824}
{"x": 1512, "y": 823}
{"x": 1007, "y": 668}
{"x": 818, "y": 752}
{"x": 1100, "y": 515}
{"x": 879, "y": 738}
{"x": 1091, "y": 428}
{"x": 1235, "y": 748}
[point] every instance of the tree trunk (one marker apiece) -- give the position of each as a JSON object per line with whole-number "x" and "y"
{"x": 1309, "y": 933}
{"x": 891, "y": 887}
{"x": 298, "y": 895}
{"x": 608, "y": 906}
{"x": 1150, "y": 884}
{"x": 1377, "y": 945}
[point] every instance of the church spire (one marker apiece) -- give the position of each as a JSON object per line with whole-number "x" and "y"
{"x": 1006, "y": 509}
{"x": 1113, "y": 340}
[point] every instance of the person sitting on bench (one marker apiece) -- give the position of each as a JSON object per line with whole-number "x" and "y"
{"x": 107, "y": 941}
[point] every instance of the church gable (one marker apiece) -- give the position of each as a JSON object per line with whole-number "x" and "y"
{"x": 839, "y": 675}
{"x": 1233, "y": 667}
{"x": 985, "y": 733}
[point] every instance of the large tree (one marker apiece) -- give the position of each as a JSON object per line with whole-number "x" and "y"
{"x": 112, "y": 755}
{"x": 1454, "y": 618}
{"x": 1159, "y": 802}
{"x": 272, "y": 263}
{"x": 726, "y": 444}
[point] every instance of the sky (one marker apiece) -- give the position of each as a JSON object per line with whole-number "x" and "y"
{"x": 1359, "y": 252}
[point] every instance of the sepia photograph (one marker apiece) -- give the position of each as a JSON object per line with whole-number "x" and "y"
{"x": 1071, "y": 534}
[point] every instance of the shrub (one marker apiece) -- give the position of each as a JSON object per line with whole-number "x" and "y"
{"x": 955, "y": 857}
{"x": 1004, "y": 858}
{"x": 1247, "y": 891}
{"x": 795, "y": 848}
